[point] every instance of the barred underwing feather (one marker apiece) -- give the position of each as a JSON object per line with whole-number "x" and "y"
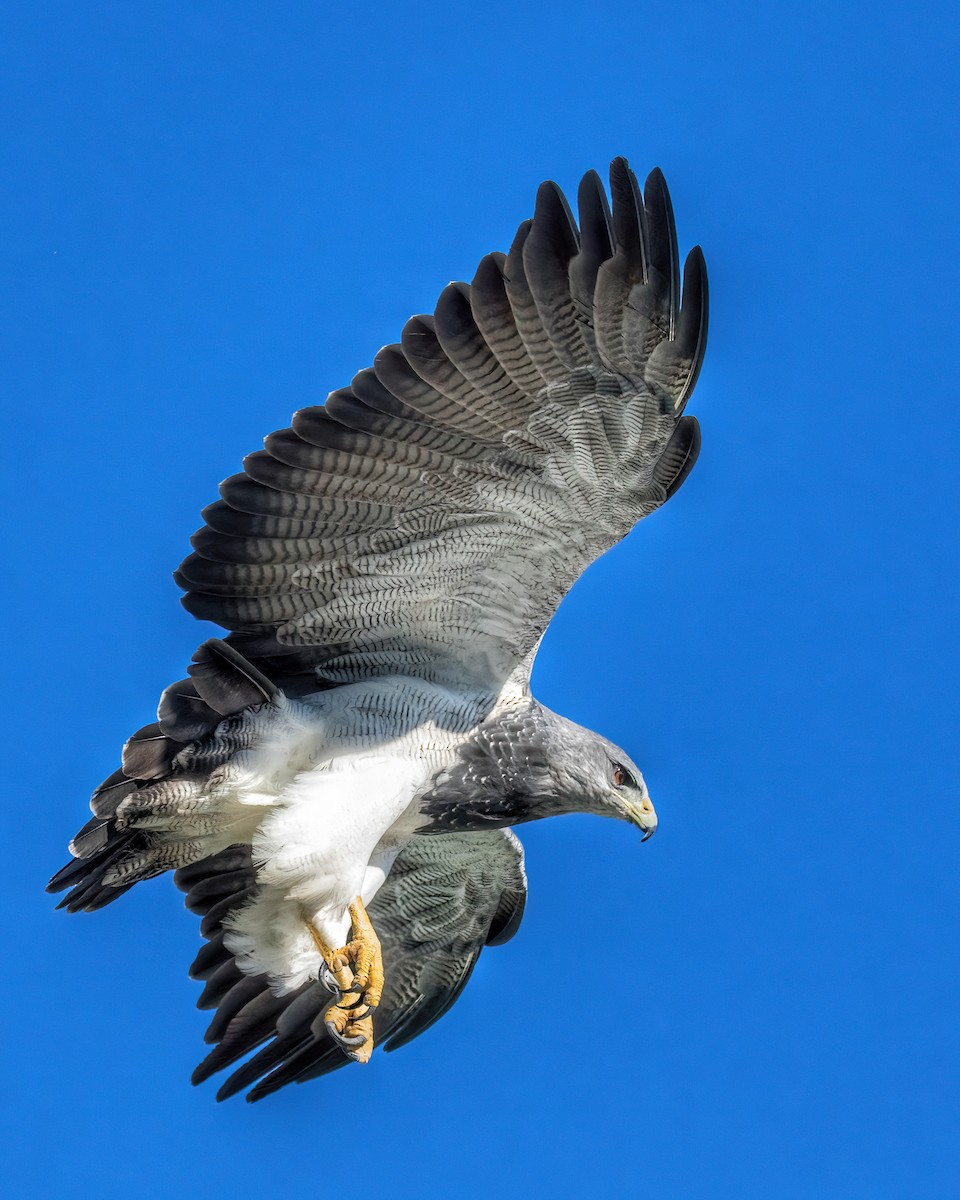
{"x": 548, "y": 252}
{"x": 243, "y": 494}
{"x": 535, "y": 338}
{"x": 356, "y": 481}
{"x": 425, "y": 354}
{"x": 679, "y": 456}
{"x": 398, "y": 376}
{"x": 619, "y": 275}
{"x": 215, "y": 577}
{"x": 223, "y": 518}
{"x": 367, "y": 388}
{"x": 355, "y": 414}
{"x": 535, "y": 405}
{"x": 463, "y": 344}
{"x": 444, "y": 900}
{"x": 675, "y": 365}
{"x": 317, "y": 428}
{"x": 493, "y": 314}
{"x": 213, "y": 546}
{"x": 596, "y": 246}
{"x": 664, "y": 265}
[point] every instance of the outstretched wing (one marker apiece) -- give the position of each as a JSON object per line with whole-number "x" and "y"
{"x": 445, "y": 899}
{"x": 429, "y": 518}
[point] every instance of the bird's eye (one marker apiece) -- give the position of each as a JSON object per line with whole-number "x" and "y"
{"x": 622, "y": 777}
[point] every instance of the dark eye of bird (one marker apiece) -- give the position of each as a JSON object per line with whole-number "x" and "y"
{"x": 622, "y": 777}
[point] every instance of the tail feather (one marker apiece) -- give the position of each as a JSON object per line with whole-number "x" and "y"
{"x": 111, "y": 853}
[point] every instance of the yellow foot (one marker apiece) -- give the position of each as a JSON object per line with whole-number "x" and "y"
{"x": 355, "y": 975}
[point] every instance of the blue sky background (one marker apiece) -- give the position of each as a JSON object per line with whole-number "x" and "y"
{"x": 214, "y": 213}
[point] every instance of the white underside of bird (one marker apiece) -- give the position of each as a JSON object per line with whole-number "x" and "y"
{"x": 327, "y": 797}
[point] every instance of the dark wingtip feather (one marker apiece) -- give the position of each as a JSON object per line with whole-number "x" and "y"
{"x": 694, "y": 316}
{"x": 596, "y": 222}
{"x": 211, "y": 956}
{"x": 263, "y": 1061}
{"x": 662, "y": 236}
{"x": 552, "y": 244}
{"x": 73, "y": 872}
{"x": 679, "y": 456}
{"x": 183, "y": 714}
{"x": 596, "y": 241}
{"x": 629, "y": 224}
{"x": 219, "y": 983}
{"x": 552, "y": 215}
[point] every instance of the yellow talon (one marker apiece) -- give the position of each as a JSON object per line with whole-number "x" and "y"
{"x": 357, "y": 968}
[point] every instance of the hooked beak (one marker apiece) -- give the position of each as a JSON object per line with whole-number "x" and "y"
{"x": 644, "y": 816}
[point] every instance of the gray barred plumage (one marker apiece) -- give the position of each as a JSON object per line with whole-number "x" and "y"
{"x": 386, "y": 567}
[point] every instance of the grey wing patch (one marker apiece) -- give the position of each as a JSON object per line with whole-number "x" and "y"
{"x": 445, "y": 899}
{"x": 452, "y": 896}
{"x": 429, "y": 518}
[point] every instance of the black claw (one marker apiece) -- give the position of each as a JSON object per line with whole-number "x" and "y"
{"x": 326, "y": 979}
{"x": 341, "y": 1039}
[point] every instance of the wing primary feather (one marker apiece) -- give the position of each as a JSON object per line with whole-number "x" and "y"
{"x": 263, "y": 1061}
{"x": 692, "y": 324}
{"x": 674, "y": 365}
{"x": 526, "y": 317}
{"x": 596, "y": 246}
{"x": 232, "y": 1003}
{"x": 183, "y": 715}
{"x": 507, "y": 918}
{"x": 148, "y": 753}
{"x": 661, "y": 229}
{"x": 493, "y": 314}
{"x": 679, "y": 456}
{"x": 249, "y": 1028}
{"x": 209, "y": 957}
{"x": 548, "y": 252}
{"x": 296, "y": 1064}
{"x": 629, "y": 220}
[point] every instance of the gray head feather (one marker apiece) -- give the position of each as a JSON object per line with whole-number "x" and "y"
{"x": 526, "y": 762}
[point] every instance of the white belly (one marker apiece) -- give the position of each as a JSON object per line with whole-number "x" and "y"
{"x": 331, "y": 830}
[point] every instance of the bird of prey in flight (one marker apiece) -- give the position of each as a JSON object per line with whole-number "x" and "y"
{"x": 335, "y": 783}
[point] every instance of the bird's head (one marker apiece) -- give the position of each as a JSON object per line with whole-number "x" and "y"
{"x": 598, "y": 777}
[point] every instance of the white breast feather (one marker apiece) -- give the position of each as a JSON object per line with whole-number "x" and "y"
{"x": 333, "y": 793}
